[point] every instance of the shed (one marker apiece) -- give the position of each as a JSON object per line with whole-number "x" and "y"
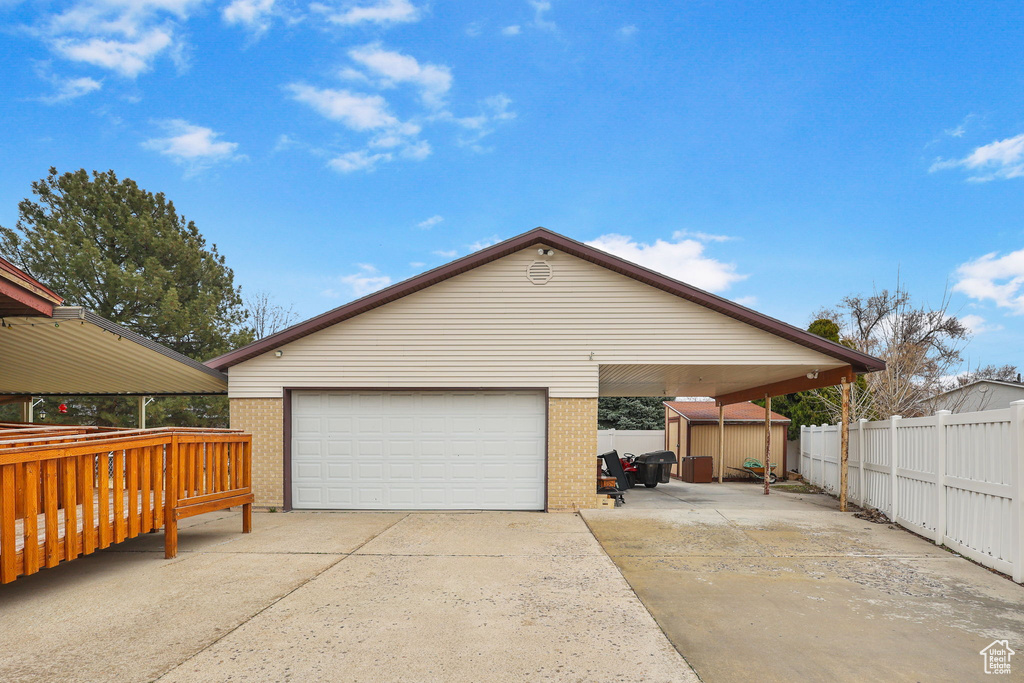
{"x": 691, "y": 428}
{"x": 475, "y": 385}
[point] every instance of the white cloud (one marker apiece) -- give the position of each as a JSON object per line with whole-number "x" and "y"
{"x": 748, "y": 301}
{"x": 366, "y": 281}
{"x": 127, "y": 58}
{"x": 195, "y": 146}
{"x": 682, "y": 259}
{"x": 254, "y": 15}
{"x": 494, "y": 110}
{"x": 999, "y": 160}
{"x": 996, "y": 278}
{"x": 357, "y": 161}
{"x": 484, "y": 243}
{"x": 123, "y": 36}
{"x": 417, "y": 151}
{"x": 513, "y": 30}
{"x": 417, "y": 264}
{"x": 540, "y": 8}
{"x": 71, "y": 88}
{"x": 380, "y": 12}
{"x": 977, "y": 325}
{"x": 446, "y": 253}
{"x": 430, "y": 222}
{"x": 433, "y": 80}
{"x": 355, "y": 110}
{"x": 626, "y": 32}
{"x": 701, "y": 236}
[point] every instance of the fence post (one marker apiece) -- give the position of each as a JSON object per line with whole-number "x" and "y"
{"x": 816, "y": 451}
{"x": 894, "y": 425}
{"x": 862, "y": 498}
{"x": 940, "y": 475}
{"x": 1017, "y": 477}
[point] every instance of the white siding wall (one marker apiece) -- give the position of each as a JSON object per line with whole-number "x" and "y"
{"x": 492, "y": 327}
{"x": 983, "y": 396}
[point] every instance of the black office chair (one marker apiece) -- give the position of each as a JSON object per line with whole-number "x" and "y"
{"x": 614, "y": 467}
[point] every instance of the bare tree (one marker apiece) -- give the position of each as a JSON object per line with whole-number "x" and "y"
{"x": 920, "y": 345}
{"x": 266, "y": 317}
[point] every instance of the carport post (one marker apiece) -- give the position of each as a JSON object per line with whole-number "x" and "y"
{"x": 721, "y": 442}
{"x": 844, "y": 445}
{"x": 767, "y": 442}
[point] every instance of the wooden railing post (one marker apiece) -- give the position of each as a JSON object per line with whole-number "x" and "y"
{"x": 245, "y": 451}
{"x": 171, "y": 498}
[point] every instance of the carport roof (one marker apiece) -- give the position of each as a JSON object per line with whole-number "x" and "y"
{"x": 76, "y": 352}
{"x": 859, "y": 362}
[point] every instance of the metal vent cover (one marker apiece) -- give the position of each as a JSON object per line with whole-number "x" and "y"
{"x": 539, "y": 272}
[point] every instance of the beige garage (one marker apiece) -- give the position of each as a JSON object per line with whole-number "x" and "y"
{"x": 539, "y": 312}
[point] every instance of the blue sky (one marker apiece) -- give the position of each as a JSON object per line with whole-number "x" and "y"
{"x": 780, "y": 154}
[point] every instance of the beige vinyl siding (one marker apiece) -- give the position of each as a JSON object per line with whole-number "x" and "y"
{"x": 741, "y": 442}
{"x": 491, "y": 327}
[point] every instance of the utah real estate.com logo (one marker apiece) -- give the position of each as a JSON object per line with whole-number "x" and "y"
{"x": 997, "y": 657}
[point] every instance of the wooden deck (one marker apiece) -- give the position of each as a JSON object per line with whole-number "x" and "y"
{"x": 68, "y": 491}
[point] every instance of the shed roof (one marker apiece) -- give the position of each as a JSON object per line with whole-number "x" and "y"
{"x": 707, "y": 411}
{"x": 860, "y": 362}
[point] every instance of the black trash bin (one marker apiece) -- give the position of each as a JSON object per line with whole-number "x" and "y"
{"x": 654, "y": 467}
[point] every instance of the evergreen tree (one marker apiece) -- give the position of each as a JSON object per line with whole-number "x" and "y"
{"x": 125, "y": 253}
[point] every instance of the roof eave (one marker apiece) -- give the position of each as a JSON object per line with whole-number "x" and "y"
{"x": 860, "y": 362}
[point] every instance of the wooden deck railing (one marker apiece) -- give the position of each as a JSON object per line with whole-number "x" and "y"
{"x": 64, "y": 494}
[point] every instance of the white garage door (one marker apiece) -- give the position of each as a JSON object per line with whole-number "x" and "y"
{"x": 403, "y": 450}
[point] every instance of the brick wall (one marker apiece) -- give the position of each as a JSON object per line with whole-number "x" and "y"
{"x": 572, "y": 450}
{"x": 572, "y": 454}
{"x": 264, "y": 419}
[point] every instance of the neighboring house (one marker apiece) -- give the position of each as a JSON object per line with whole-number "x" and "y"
{"x": 691, "y": 428}
{"x": 475, "y": 385}
{"x": 983, "y": 394}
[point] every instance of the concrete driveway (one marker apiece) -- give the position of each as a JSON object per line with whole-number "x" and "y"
{"x": 785, "y": 587}
{"x": 340, "y": 597}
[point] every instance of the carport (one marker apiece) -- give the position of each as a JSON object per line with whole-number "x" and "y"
{"x": 475, "y": 385}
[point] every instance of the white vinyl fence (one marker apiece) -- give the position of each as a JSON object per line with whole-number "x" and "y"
{"x": 634, "y": 441}
{"x": 957, "y": 479}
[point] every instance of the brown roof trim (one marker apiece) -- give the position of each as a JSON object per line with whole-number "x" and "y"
{"x": 861, "y": 362}
{"x": 25, "y": 295}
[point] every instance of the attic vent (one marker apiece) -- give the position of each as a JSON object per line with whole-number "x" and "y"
{"x": 539, "y": 272}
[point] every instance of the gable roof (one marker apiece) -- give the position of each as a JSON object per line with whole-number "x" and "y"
{"x": 707, "y": 411}
{"x": 970, "y": 385}
{"x": 860, "y": 362}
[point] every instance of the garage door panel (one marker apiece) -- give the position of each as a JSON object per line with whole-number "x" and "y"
{"x": 418, "y": 450}
{"x": 339, "y": 497}
{"x": 339, "y": 471}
